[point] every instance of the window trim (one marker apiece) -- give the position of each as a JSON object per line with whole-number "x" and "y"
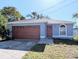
{"x": 65, "y": 30}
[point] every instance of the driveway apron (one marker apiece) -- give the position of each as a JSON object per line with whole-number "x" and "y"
{"x": 14, "y": 49}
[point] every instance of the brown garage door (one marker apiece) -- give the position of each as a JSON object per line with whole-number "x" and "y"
{"x": 26, "y": 32}
{"x": 49, "y": 31}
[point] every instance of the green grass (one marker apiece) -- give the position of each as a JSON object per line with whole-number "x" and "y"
{"x": 54, "y": 51}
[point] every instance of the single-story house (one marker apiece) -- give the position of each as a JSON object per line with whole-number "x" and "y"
{"x": 40, "y": 28}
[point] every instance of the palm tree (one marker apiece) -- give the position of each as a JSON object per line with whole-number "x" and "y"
{"x": 35, "y": 15}
{"x": 75, "y": 16}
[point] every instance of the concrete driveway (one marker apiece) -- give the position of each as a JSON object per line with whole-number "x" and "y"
{"x": 14, "y": 49}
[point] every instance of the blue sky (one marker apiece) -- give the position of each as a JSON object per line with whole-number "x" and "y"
{"x": 56, "y": 9}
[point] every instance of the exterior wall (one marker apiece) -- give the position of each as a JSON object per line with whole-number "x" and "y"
{"x": 10, "y": 29}
{"x": 43, "y": 33}
{"x": 19, "y": 24}
{"x": 56, "y": 31}
{"x": 69, "y": 29}
{"x": 42, "y": 30}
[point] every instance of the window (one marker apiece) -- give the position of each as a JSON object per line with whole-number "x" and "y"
{"x": 62, "y": 30}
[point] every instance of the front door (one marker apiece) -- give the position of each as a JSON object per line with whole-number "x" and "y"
{"x": 49, "y": 31}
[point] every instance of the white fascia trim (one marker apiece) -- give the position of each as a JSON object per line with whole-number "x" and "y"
{"x": 24, "y": 24}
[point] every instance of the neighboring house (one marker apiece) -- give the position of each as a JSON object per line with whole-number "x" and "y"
{"x": 75, "y": 31}
{"x": 41, "y": 28}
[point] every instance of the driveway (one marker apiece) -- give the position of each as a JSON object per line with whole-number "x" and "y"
{"x": 15, "y": 49}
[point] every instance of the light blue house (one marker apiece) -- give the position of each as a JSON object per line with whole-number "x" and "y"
{"x": 41, "y": 28}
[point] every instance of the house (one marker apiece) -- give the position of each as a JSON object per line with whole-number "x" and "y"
{"x": 40, "y": 28}
{"x": 75, "y": 31}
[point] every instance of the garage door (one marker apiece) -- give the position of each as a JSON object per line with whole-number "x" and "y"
{"x": 26, "y": 32}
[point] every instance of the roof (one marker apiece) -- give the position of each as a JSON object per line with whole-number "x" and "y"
{"x": 49, "y": 21}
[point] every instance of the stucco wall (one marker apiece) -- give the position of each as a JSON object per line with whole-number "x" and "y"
{"x": 55, "y": 30}
{"x": 69, "y": 29}
{"x": 10, "y": 29}
{"x": 42, "y": 30}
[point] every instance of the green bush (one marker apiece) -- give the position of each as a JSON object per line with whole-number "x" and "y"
{"x": 75, "y": 37}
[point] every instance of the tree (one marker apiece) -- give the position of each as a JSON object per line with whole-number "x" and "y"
{"x": 10, "y": 13}
{"x": 35, "y": 15}
{"x": 75, "y": 16}
{"x": 7, "y": 14}
{"x": 3, "y": 21}
{"x": 3, "y": 24}
{"x": 22, "y": 18}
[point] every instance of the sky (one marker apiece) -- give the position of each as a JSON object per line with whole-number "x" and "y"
{"x": 55, "y": 9}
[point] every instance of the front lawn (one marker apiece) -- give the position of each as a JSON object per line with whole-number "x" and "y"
{"x": 54, "y": 51}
